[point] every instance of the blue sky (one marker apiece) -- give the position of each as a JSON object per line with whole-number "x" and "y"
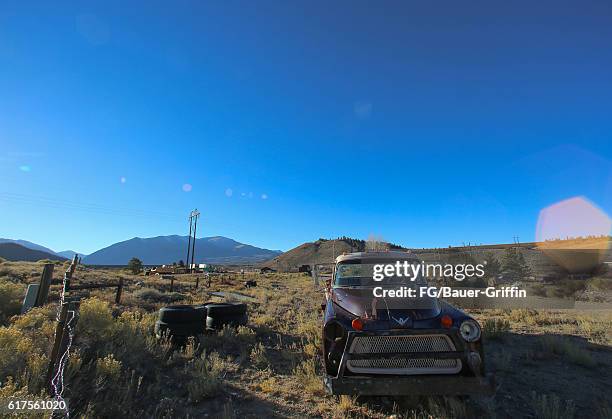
{"x": 426, "y": 123}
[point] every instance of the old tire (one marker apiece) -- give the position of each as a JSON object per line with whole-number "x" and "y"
{"x": 181, "y": 321}
{"x": 181, "y": 314}
{"x": 178, "y": 330}
{"x": 222, "y": 314}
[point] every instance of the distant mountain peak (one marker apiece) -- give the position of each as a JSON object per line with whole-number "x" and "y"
{"x": 173, "y": 248}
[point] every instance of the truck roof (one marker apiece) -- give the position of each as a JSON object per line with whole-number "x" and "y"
{"x": 391, "y": 255}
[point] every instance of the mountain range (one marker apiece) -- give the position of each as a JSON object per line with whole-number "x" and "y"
{"x": 169, "y": 249}
{"x": 152, "y": 251}
{"x": 14, "y": 252}
{"x": 65, "y": 254}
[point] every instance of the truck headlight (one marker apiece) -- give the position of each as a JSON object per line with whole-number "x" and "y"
{"x": 470, "y": 331}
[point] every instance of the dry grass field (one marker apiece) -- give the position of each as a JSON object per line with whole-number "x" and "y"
{"x": 548, "y": 364}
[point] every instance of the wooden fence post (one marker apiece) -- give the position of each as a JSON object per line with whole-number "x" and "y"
{"x": 45, "y": 282}
{"x": 197, "y": 281}
{"x": 69, "y": 273}
{"x": 62, "y": 338}
{"x": 172, "y": 284}
{"x": 119, "y": 289}
{"x": 59, "y": 330}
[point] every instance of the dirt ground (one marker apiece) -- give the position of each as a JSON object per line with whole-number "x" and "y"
{"x": 548, "y": 364}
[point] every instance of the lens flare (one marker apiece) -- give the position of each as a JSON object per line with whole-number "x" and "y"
{"x": 574, "y": 233}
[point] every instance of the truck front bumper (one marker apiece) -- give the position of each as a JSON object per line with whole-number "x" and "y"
{"x": 451, "y": 385}
{"x": 419, "y": 384}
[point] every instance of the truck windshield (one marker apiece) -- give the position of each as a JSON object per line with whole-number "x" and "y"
{"x": 361, "y": 275}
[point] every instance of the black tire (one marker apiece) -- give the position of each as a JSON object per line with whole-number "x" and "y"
{"x": 221, "y": 314}
{"x": 203, "y": 309}
{"x": 220, "y": 310}
{"x": 218, "y": 322}
{"x": 179, "y": 329}
{"x": 181, "y": 314}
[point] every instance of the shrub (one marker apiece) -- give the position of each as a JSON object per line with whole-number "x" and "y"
{"x": 310, "y": 349}
{"x": 268, "y": 385}
{"x": 135, "y": 266}
{"x": 15, "y": 347}
{"x": 495, "y": 328}
{"x": 108, "y": 370}
{"x": 309, "y": 328}
{"x": 10, "y": 390}
{"x": 493, "y": 266}
{"x": 11, "y": 296}
{"x": 265, "y": 320}
{"x": 597, "y": 331}
{"x": 258, "y": 357}
{"x": 20, "y": 359}
{"x": 96, "y": 319}
{"x": 523, "y": 315}
{"x": 568, "y": 349}
{"x": 36, "y": 372}
{"x": 73, "y": 367}
{"x": 308, "y": 375}
{"x": 568, "y": 288}
{"x": 153, "y": 295}
{"x": 514, "y": 266}
{"x": 35, "y": 318}
{"x": 550, "y": 407}
{"x": 205, "y": 374}
{"x": 602, "y": 284}
{"x": 245, "y": 335}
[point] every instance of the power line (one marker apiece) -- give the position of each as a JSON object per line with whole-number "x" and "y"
{"x": 42, "y": 201}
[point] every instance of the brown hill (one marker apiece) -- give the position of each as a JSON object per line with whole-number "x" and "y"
{"x": 571, "y": 256}
{"x": 320, "y": 252}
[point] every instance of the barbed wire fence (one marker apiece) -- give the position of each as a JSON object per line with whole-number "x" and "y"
{"x": 64, "y": 336}
{"x": 67, "y": 316}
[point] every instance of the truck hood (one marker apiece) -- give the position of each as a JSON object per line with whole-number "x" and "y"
{"x": 361, "y": 302}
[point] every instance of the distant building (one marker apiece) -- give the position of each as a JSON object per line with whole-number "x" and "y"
{"x": 305, "y": 268}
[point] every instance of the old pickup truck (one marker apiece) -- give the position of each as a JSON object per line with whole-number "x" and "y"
{"x": 396, "y": 346}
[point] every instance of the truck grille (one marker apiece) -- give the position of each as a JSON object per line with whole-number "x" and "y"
{"x": 403, "y": 344}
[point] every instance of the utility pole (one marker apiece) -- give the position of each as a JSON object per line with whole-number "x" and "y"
{"x": 189, "y": 242}
{"x": 195, "y": 214}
